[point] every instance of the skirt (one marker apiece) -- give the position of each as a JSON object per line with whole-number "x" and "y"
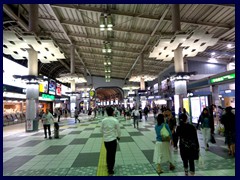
{"x": 162, "y": 152}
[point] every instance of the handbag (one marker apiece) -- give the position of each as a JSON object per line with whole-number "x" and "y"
{"x": 165, "y": 134}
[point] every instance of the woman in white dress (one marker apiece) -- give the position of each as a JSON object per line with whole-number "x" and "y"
{"x": 162, "y": 151}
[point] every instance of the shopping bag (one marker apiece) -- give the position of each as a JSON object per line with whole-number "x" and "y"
{"x": 165, "y": 134}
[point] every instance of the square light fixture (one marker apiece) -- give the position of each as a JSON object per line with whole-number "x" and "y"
{"x": 106, "y": 22}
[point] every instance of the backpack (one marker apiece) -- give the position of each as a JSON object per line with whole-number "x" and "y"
{"x": 165, "y": 134}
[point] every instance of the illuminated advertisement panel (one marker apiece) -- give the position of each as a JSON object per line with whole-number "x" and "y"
{"x": 52, "y": 87}
{"x": 59, "y": 89}
{"x": 43, "y": 87}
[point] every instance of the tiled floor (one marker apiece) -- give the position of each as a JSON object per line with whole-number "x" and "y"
{"x": 79, "y": 152}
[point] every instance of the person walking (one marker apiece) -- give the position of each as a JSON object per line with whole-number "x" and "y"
{"x": 162, "y": 151}
{"x": 207, "y": 126}
{"x": 155, "y": 112}
{"x": 58, "y": 114}
{"x": 146, "y": 111}
{"x": 76, "y": 115}
{"x": 110, "y": 128}
{"x": 47, "y": 120}
{"x": 135, "y": 115}
{"x": 228, "y": 120}
{"x": 171, "y": 121}
{"x": 189, "y": 145}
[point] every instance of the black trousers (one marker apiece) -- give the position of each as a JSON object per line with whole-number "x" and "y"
{"x": 47, "y": 127}
{"x": 191, "y": 164}
{"x": 59, "y": 118}
{"x": 135, "y": 121}
{"x": 175, "y": 139}
{"x": 111, "y": 148}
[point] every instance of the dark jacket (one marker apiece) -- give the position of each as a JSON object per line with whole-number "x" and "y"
{"x": 211, "y": 121}
{"x": 188, "y": 132}
{"x": 228, "y": 120}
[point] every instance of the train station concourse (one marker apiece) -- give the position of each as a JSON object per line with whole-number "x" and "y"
{"x": 119, "y": 90}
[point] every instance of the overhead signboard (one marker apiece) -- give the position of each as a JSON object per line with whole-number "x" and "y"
{"x": 48, "y": 97}
{"x": 222, "y": 78}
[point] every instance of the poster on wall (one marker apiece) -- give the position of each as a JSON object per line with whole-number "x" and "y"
{"x": 52, "y": 87}
{"x": 186, "y": 104}
{"x": 195, "y": 108}
{"x": 203, "y": 102}
{"x": 43, "y": 87}
{"x": 59, "y": 89}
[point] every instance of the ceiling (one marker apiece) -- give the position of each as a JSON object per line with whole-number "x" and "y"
{"x": 137, "y": 29}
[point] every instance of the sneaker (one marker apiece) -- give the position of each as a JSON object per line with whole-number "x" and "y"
{"x": 192, "y": 173}
{"x": 45, "y": 137}
{"x": 50, "y": 137}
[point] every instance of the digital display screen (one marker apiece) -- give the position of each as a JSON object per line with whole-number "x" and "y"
{"x": 59, "y": 89}
{"x": 164, "y": 85}
{"x": 52, "y": 87}
{"x": 43, "y": 87}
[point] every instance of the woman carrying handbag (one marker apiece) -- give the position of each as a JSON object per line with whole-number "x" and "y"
{"x": 162, "y": 151}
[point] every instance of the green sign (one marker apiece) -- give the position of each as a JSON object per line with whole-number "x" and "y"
{"x": 222, "y": 78}
{"x": 48, "y": 96}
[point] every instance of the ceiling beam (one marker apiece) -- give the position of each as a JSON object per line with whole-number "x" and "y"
{"x": 14, "y": 16}
{"x": 147, "y": 62}
{"x": 64, "y": 31}
{"x": 227, "y": 33}
{"x": 152, "y": 34}
{"x": 232, "y": 6}
{"x": 149, "y": 17}
{"x": 99, "y": 46}
{"x": 88, "y": 25}
{"x": 108, "y": 39}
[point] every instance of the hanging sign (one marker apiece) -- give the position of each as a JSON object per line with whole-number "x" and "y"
{"x": 222, "y": 78}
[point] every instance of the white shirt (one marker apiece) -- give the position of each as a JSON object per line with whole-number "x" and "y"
{"x": 48, "y": 118}
{"x": 110, "y": 128}
{"x": 135, "y": 112}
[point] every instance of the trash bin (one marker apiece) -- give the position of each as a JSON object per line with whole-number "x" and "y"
{"x": 35, "y": 124}
{"x": 56, "y": 130}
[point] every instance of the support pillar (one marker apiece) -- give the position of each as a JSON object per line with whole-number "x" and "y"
{"x": 180, "y": 85}
{"x": 142, "y": 82}
{"x": 33, "y": 18}
{"x": 215, "y": 97}
{"x": 32, "y": 89}
{"x": 32, "y": 93}
{"x": 73, "y": 98}
{"x": 72, "y": 58}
